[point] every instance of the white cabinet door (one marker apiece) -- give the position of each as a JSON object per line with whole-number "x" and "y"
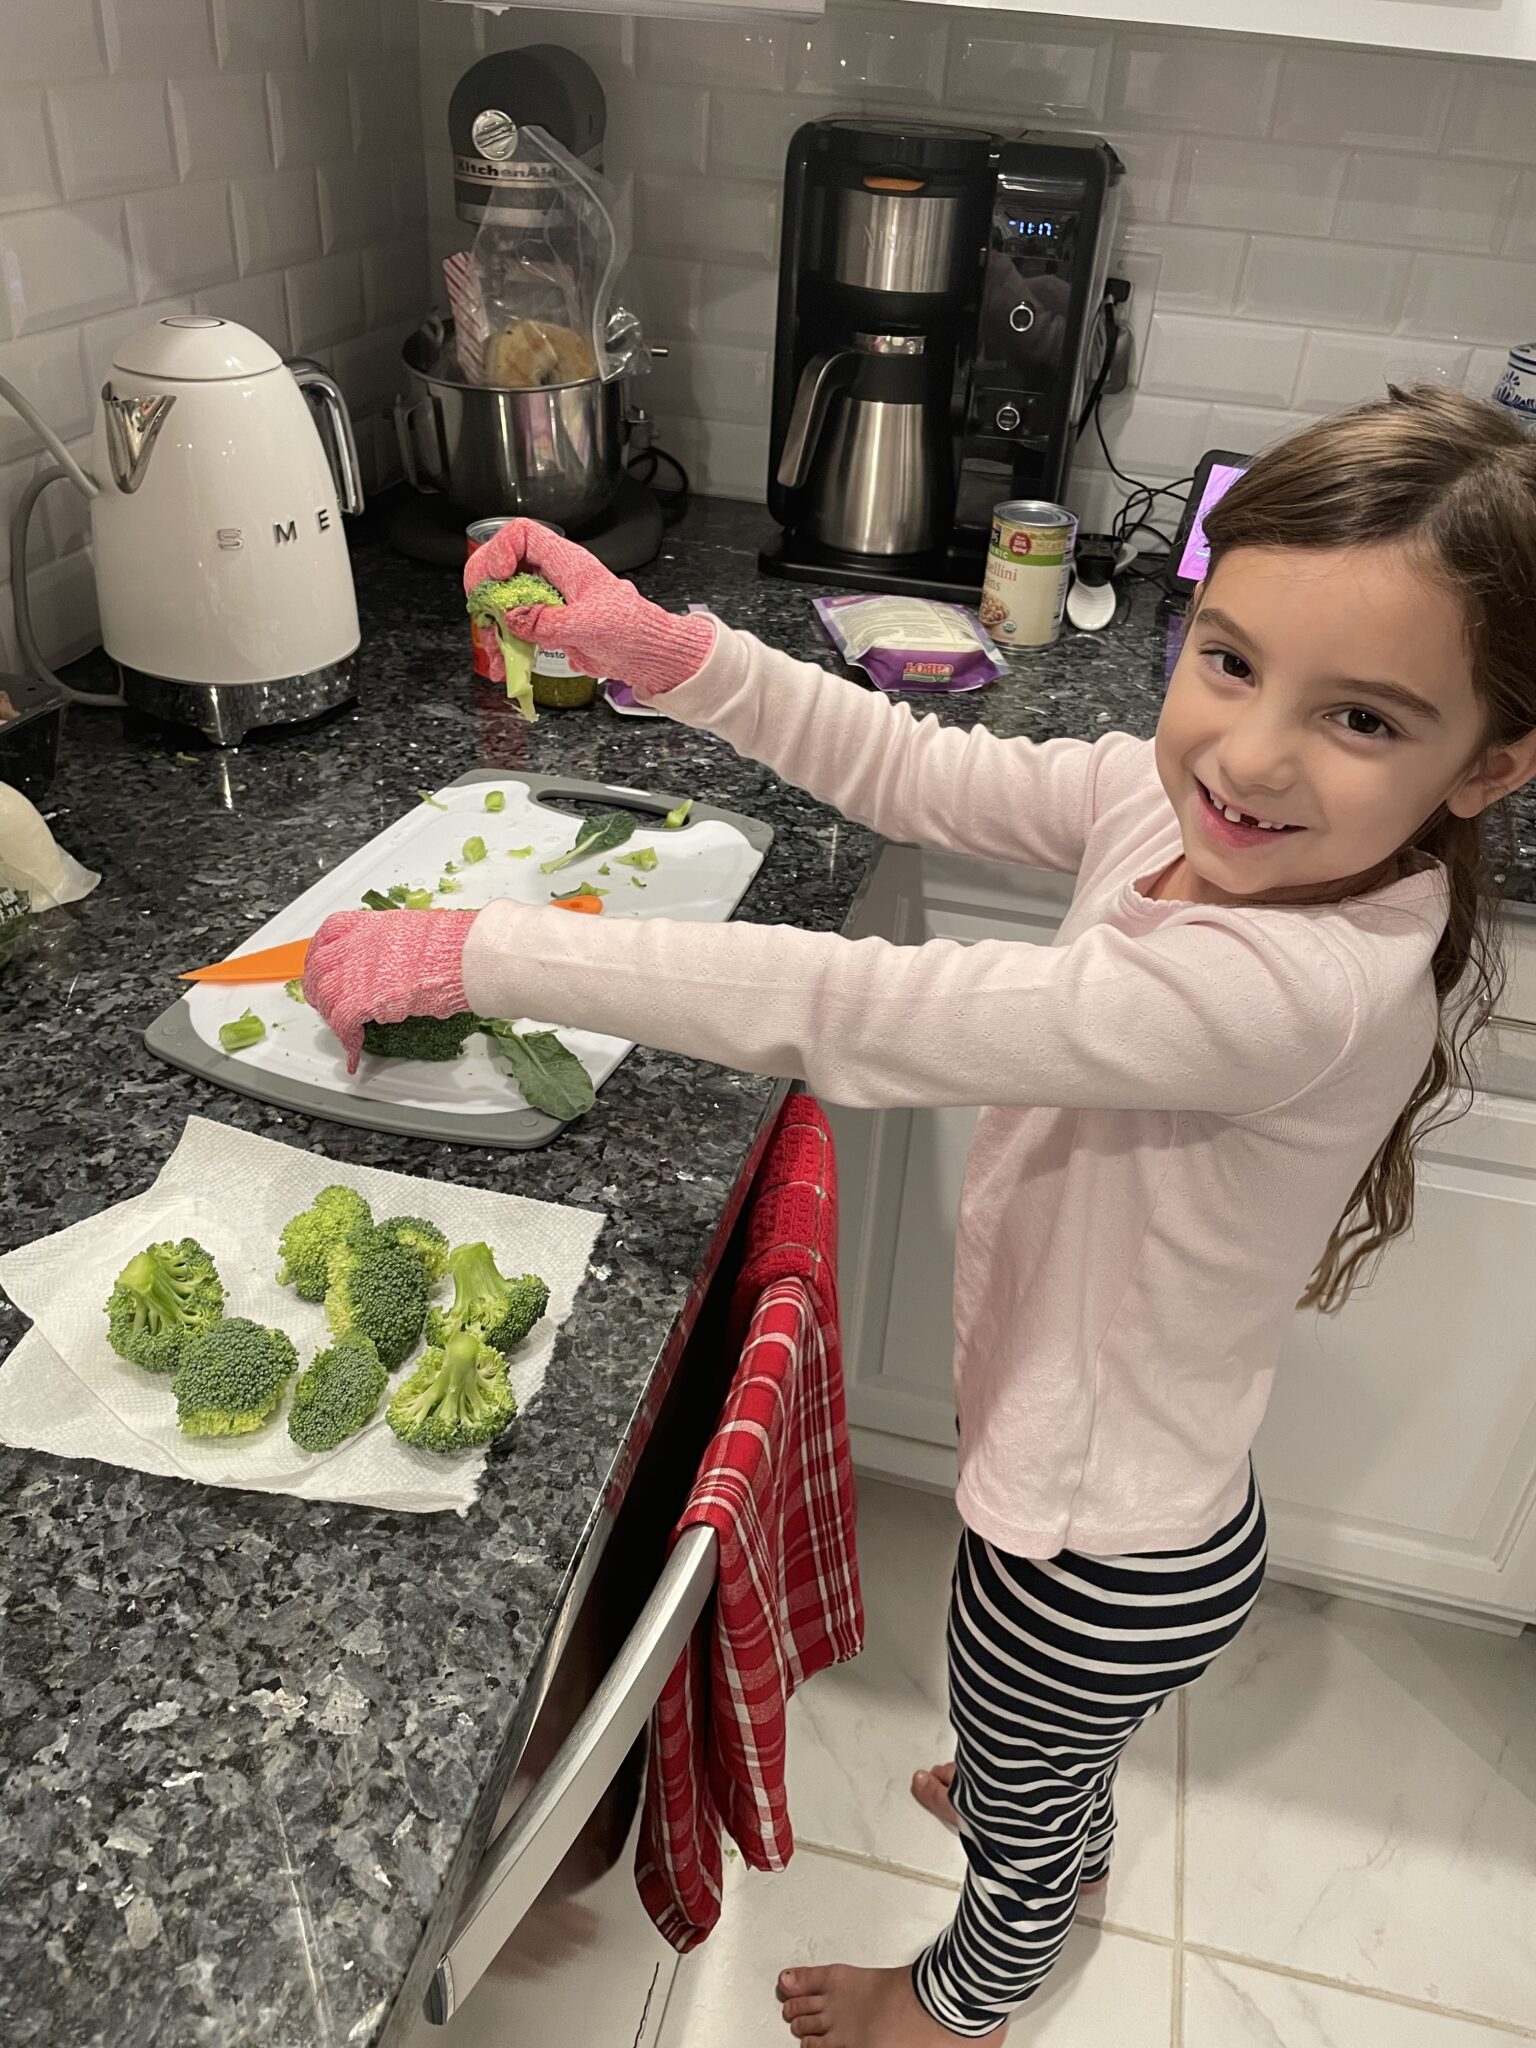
{"x": 1399, "y": 1456}
{"x": 1399, "y": 1452}
{"x": 1504, "y": 28}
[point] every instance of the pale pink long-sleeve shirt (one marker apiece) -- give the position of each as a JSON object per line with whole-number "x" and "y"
{"x": 1178, "y": 1099}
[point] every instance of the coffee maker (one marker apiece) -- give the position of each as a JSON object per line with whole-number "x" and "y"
{"x": 940, "y": 326}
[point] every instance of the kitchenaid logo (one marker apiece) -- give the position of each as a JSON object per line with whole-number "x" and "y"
{"x": 231, "y": 539}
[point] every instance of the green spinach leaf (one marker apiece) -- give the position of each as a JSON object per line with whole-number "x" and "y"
{"x": 601, "y": 833}
{"x": 549, "y": 1074}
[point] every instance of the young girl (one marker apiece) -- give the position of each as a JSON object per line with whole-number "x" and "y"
{"x": 1200, "y": 1102}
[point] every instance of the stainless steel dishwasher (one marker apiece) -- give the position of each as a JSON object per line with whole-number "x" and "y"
{"x": 551, "y": 1945}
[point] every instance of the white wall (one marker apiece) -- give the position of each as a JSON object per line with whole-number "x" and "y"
{"x": 256, "y": 158}
{"x": 1306, "y": 219}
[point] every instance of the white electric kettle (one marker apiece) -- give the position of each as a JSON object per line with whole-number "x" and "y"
{"x": 222, "y": 571}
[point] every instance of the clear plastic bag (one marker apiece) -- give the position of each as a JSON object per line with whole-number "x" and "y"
{"x": 546, "y": 264}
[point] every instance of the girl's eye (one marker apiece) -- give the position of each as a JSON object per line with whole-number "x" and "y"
{"x": 1230, "y": 664}
{"x": 1370, "y": 725}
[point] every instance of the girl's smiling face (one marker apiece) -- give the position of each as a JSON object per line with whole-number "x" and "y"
{"x": 1325, "y": 697}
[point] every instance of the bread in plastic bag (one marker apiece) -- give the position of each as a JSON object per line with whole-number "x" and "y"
{"x": 32, "y": 860}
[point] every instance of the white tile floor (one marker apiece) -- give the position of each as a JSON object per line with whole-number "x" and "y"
{"x": 1330, "y": 1844}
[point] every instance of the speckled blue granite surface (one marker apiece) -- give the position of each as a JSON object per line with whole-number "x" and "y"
{"x": 247, "y": 1743}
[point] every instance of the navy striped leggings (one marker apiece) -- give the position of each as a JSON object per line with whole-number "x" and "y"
{"x": 1053, "y": 1666}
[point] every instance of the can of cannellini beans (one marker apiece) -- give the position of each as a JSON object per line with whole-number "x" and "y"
{"x": 1029, "y": 566}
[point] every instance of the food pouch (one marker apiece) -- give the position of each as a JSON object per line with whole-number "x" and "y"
{"x": 911, "y": 643}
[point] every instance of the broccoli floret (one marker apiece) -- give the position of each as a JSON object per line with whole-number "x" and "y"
{"x": 417, "y": 1235}
{"x": 163, "y": 1298}
{"x": 501, "y": 1311}
{"x": 489, "y": 603}
{"x": 457, "y": 1397}
{"x": 421, "y": 1038}
{"x": 15, "y": 917}
{"x": 336, "y": 1395}
{"x": 309, "y": 1238}
{"x": 377, "y": 1290}
{"x": 232, "y": 1378}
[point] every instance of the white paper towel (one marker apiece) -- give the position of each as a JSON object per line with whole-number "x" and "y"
{"x": 65, "y": 1390}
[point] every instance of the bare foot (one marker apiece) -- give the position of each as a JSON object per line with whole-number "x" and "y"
{"x": 931, "y": 1791}
{"x": 848, "y": 2008}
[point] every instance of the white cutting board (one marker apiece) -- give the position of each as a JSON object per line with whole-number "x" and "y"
{"x": 702, "y": 871}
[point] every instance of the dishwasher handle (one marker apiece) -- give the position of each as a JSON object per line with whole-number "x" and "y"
{"x": 525, "y": 1855}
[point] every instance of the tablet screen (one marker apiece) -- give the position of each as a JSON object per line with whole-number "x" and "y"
{"x": 1196, "y": 557}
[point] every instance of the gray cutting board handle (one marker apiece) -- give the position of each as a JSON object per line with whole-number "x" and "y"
{"x": 172, "y": 1036}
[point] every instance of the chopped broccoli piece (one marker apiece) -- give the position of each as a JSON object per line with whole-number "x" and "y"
{"x": 675, "y": 820}
{"x": 336, "y": 1395}
{"x": 519, "y": 852}
{"x": 162, "y": 1299}
{"x": 448, "y": 887}
{"x": 488, "y": 603}
{"x": 473, "y": 850}
{"x": 309, "y": 1238}
{"x": 428, "y": 798}
{"x": 495, "y": 799}
{"x": 401, "y": 897}
{"x": 294, "y": 991}
{"x": 428, "y": 1243}
{"x": 501, "y": 1311}
{"x": 574, "y": 895}
{"x": 232, "y": 1378}
{"x": 456, "y": 1398}
{"x": 644, "y": 857}
{"x": 243, "y": 1031}
{"x": 15, "y": 918}
{"x": 377, "y": 1290}
{"x": 420, "y": 1038}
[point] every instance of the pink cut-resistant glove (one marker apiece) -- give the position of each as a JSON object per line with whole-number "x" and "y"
{"x": 605, "y": 625}
{"x": 382, "y": 966}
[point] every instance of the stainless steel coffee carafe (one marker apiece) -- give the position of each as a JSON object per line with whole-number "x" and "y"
{"x": 867, "y": 446}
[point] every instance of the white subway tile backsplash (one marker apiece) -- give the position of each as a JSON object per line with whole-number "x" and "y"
{"x": 1199, "y": 268}
{"x": 51, "y": 41}
{"x": 277, "y": 219}
{"x": 368, "y": 371}
{"x": 665, "y": 291}
{"x": 65, "y": 618}
{"x": 182, "y": 239}
{"x": 256, "y": 34}
{"x": 1190, "y": 357}
{"x": 749, "y": 132}
{"x": 1161, "y": 436}
{"x": 50, "y": 371}
{"x": 259, "y": 303}
{"x": 1344, "y": 369}
{"x": 357, "y": 202}
{"x": 221, "y": 125}
{"x": 395, "y": 293}
{"x": 656, "y": 127}
{"x": 718, "y": 218}
{"x": 325, "y": 301}
{"x": 1483, "y": 371}
{"x": 157, "y": 38}
{"x": 1250, "y": 429}
{"x": 1217, "y": 85}
{"x": 1362, "y": 96}
{"x": 66, "y": 515}
{"x": 1426, "y": 203}
{"x": 1332, "y": 284}
{"x": 1282, "y": 188}
{"x": 310, "y": 121}
{"x": 111, "y": 135}
{"x": 340, "y": 30}
{"x": 408, "y": 189}
{"x": 1151, "y": 166}
{"x": 14, "y": 478}
{"x": 386, "y": 108}
{"x": 65, "y": 263}
{"x": 27, "y": 176}
{"x": 1473, "y": 298}
{"x": 858, "y": 53}
{"x": 1056, "y": 73}
{"x": 709, "y": 381}
{"x": 605, "y": 40}
{"x": 1493, "y": 112}
{"x": 751, "y": 54}
{"x": 723, "y": 459}
{"x": 738, "y": 305}
{"x": 1520, "y": 236}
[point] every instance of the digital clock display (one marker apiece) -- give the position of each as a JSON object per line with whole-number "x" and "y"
{"x": 1036, "y": 230}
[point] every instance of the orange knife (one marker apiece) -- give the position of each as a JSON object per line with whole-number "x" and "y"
{"x": 286, "y": 963}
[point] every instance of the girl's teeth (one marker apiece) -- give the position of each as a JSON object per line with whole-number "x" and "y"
{"x": 1235, "y": 816}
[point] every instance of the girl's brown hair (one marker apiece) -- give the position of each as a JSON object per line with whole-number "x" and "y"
{"x": 1455, "y": 479}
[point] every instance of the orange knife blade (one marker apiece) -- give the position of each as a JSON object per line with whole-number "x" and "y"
{"x": 273, "y": 963}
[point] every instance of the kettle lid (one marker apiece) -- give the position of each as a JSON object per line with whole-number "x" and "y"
{"x": 195, "y": 347}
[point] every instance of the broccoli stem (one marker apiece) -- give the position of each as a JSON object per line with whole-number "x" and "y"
{"x": 517, "y": 660}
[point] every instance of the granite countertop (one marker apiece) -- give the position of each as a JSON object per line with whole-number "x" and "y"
{"x": 245, "y": 1743}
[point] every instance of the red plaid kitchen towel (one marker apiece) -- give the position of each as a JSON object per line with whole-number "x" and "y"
{"x": 776, "y": 1485}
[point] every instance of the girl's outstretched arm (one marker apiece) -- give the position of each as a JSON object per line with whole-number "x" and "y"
{"x": 912, "y": 780}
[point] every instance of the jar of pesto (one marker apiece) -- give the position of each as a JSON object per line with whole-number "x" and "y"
{"x": 557, "y": 685}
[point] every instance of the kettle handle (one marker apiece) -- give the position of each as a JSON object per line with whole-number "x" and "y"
{"x": 336, "y": 433}
{"x": 827, "y": 373}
